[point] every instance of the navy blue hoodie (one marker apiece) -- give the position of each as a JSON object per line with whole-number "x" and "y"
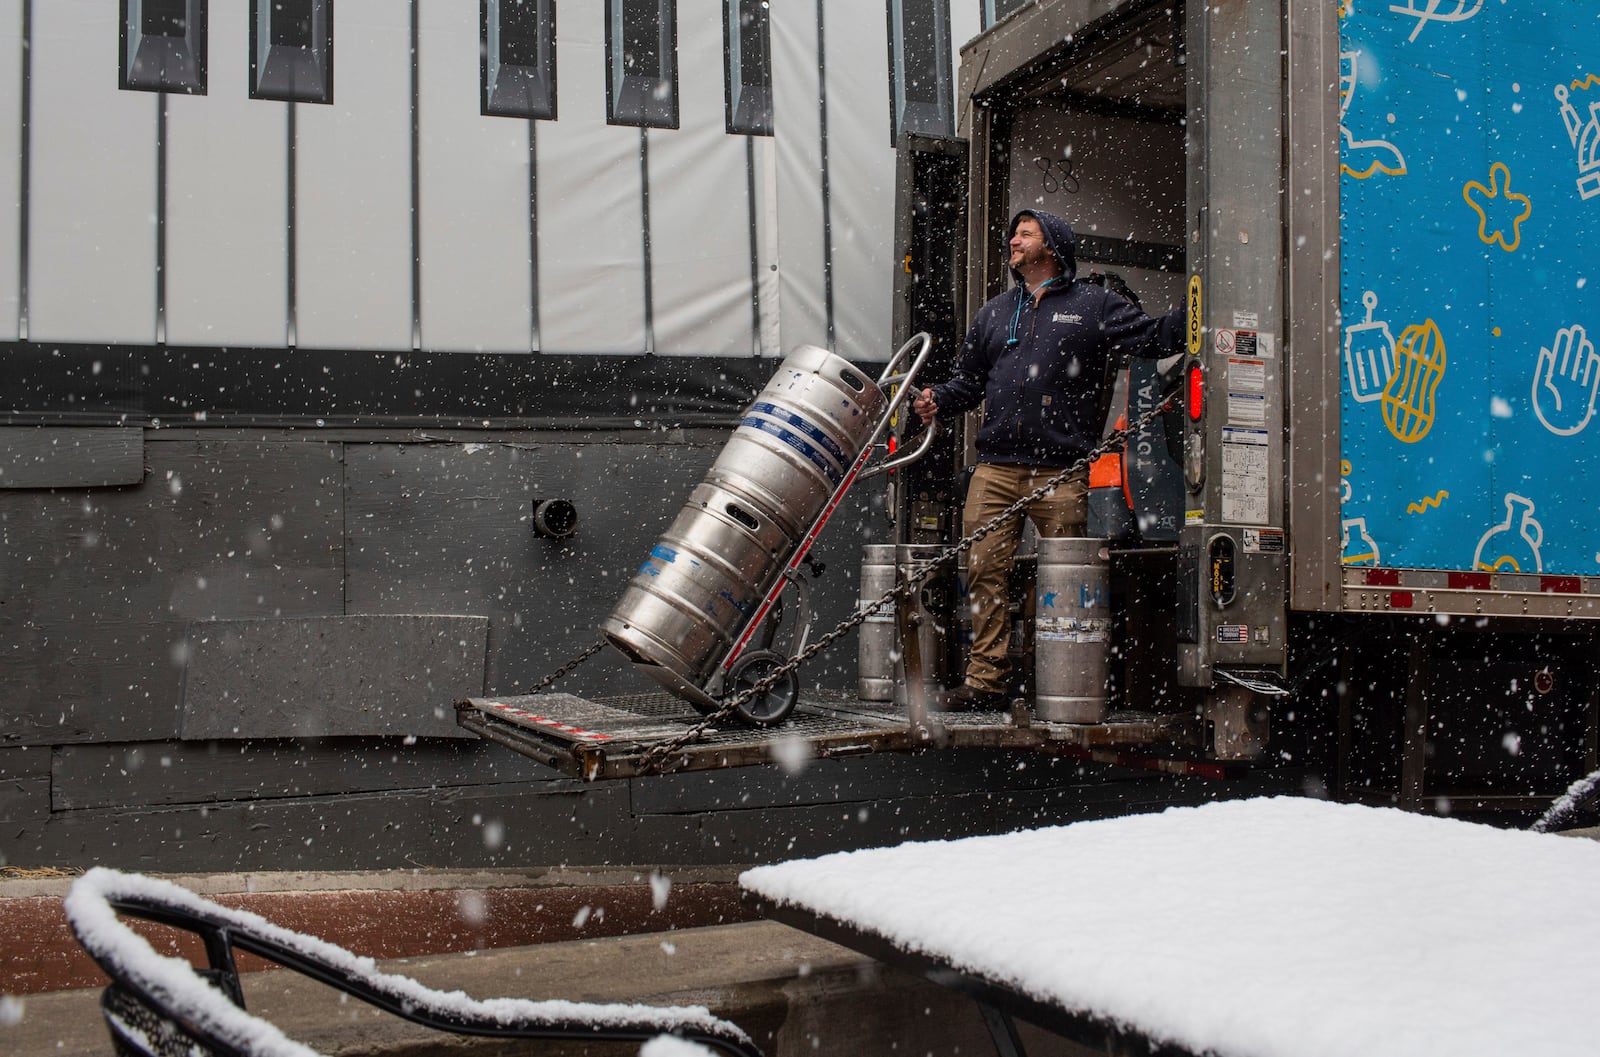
{"x": 1043, "y": 395}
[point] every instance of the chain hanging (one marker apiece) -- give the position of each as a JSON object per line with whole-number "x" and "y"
{"x": 566, "y": 669}
{"x": 656, "y": 755}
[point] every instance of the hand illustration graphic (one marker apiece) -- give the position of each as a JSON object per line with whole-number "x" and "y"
{"x": 1565, "y": 382}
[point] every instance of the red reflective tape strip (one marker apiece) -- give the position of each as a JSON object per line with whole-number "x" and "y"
{"x": 1383, "y": 577}
{"x": 546, "y": 721}
{"x": 1401, "y": 600}
{"x": 1563, "y": 585}
{"x": 1468, "y": 581}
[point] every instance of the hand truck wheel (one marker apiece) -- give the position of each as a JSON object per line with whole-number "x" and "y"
{"x": 773, "y": 705}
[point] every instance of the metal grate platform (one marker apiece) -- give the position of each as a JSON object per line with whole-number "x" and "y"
{"x": 609, "y": 738}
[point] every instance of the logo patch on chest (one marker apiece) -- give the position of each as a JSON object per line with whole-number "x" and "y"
{"x": 1066, "y": 317}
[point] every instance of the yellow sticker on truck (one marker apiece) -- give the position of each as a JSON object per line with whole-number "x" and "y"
{"x": 1194, "y": 315}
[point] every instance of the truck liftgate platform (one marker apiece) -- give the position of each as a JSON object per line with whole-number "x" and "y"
{"x": 609, "y": 738}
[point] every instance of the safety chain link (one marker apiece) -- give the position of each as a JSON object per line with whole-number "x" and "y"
{"x": 659, "y": 751}
{"x": 566, "y": 669}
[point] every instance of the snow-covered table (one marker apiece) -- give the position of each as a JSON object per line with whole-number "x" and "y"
{"x": 1267, "y": 928}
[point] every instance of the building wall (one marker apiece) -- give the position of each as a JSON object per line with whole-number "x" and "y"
{"x": 283, "y": 380}
{"x": 221, "y": 220}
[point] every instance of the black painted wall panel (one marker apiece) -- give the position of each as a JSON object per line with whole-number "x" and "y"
{"x": 309, "y": 677}
{"x": 508, "y": 825}
{"x": 449, "y": 527}
{"x": 733, "y": 834}
{"x": 64, "y": 457}
{"x": 218, "y": 529}
{"x": 210, "y": 772}
{"x": 24, "y": 785}
{"x": 67, "y": 681}
{"x": 858, "y": 779}
{"x": 99, "y": 585}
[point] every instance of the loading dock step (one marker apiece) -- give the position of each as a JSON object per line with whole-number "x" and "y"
{"x": 608, "y": 738}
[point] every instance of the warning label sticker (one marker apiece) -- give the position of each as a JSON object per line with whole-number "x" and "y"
{"x": 1247, "y": 376}
{"x": 1263, "y": 541}
{"x": 1244, "y": 476}
{"x": 1251, "y": 343}
{"x": 1247, "y": 409}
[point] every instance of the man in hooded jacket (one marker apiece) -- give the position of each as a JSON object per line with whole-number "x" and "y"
{"x": 1038, "y": 357}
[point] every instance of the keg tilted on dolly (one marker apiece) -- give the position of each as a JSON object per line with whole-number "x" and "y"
{"x": 699, "y": 615}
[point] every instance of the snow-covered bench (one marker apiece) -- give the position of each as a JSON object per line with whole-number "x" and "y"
{"x": 164, "y": 1006}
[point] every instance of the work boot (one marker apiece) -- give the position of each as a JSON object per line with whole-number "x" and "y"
{"x": 969, "y": 698}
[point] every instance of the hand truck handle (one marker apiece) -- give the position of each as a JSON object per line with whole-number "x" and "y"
{"x": 888, "y": 377}
{"x": 906, "y": 387}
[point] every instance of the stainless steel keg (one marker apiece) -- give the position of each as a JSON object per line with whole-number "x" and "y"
{"x": 875, "y": 644}
{"x": 1072, "y": 630}
{"x": 704, "y": 581}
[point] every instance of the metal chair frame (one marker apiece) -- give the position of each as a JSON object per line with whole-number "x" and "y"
{"x": 181, "y": 1024}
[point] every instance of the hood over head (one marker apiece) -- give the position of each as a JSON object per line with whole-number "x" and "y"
{"x": 1058, "y": 237}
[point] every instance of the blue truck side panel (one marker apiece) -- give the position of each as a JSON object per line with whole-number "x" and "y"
{"x": 1470, "y": 231}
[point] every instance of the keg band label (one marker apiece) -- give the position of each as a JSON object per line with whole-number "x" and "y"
{"x": 662, "y": 554}
{"x": 1073, "y": 629}
{"x": 809, "y": 429}
{"x": 799, "y": 444}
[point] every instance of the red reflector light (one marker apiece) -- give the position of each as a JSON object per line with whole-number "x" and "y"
{"x": 1197, "y": 392}
{"x": 1469, "y": 581}
{"x": 1383, "y": 577}
{"x": 1566, "y": 585}
{"x": 1401, "y": 600}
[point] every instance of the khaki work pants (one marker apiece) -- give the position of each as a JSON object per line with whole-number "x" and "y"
{"x": 1062, "y": 512}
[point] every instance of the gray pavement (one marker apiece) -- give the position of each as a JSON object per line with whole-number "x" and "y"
{"x": 795, "y": 994}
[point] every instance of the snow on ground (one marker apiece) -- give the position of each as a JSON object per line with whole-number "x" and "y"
{"x": 1254, "y": 928}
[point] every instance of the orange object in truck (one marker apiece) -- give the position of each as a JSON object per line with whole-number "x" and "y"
{"x": 1108, "y": 470}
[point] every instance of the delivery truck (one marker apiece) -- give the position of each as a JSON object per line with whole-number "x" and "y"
{"x": 1351, "y": 523}
{"x": 1380, "y": 220}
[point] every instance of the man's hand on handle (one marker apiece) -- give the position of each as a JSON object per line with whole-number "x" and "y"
{"x": 925, "y": 406}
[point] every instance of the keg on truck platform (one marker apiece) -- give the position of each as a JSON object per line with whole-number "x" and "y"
{"x": 705, "y": 579}
{"x": 875, "y": 643}
{"x": 1072, "y": 630}
{"x": 881, "y": 674}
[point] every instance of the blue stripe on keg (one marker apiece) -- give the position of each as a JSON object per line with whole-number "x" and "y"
{"x": 810, "y": 429}
{"x": 799, "y": 444}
